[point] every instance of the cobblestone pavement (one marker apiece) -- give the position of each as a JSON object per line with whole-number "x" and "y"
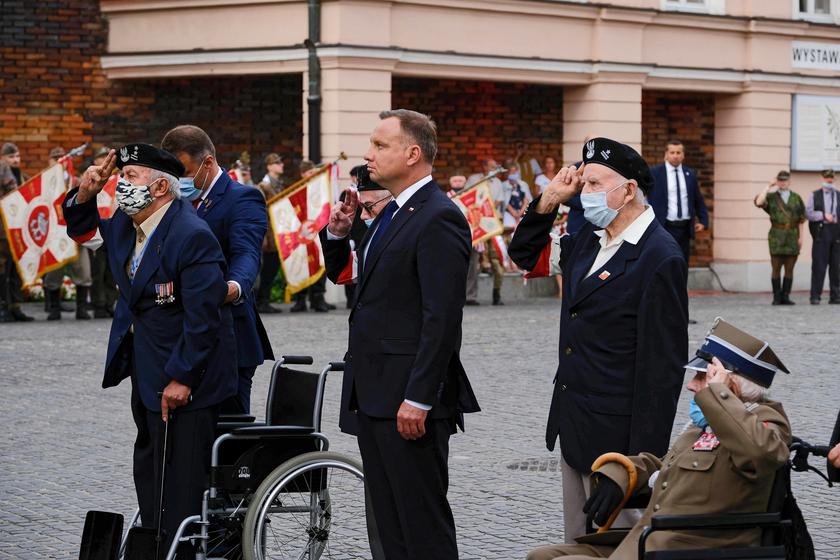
{"x": 67, "y": 443}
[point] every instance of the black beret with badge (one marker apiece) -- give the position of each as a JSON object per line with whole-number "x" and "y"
{"x": 146, "y": 155}
{"x": 739, "y": 352}
{"x": 621, "y": 158}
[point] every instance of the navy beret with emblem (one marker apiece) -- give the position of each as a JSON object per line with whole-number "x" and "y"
{"x": 621, "y": 158}
{"x": 146, "y": 155}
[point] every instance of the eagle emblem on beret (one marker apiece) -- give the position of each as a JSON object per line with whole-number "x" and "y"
{"x": 590, "y": 149}
{"x": 124, "y": 154}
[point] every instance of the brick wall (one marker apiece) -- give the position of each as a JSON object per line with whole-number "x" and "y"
{"x": 689, "y": 117}
{"x": 53, "y": 92}
{"x": 477, "y": 120}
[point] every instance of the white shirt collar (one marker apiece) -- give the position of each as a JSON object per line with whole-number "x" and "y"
{"x": 671, "y": 167}
{"x": 631, "y": 233}
{"x": 210, "y": 188}
{"x": 403, "y": 197}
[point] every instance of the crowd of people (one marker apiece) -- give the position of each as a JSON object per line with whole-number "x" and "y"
{"x": 188, "y": 251}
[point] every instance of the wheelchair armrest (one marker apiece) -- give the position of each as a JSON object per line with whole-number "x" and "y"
{"x": 714, "y": 521}
{"x": 236, "y": 418}
{"x": 228, "y": 427}
{"x": 273, "y": 431}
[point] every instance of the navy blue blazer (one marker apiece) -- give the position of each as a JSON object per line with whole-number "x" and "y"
{"x": 405, "y": 324}
{"x": 658, "y": 198}
{"x": 623, "y": 340}
{"x": 188, "y": 337}
{"x": 236, "y": 214}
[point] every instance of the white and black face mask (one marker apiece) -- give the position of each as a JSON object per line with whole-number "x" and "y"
{"x": 133, "y": 198}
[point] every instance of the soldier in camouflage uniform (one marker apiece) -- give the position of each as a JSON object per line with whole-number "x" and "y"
{"x": 787, "y": 219}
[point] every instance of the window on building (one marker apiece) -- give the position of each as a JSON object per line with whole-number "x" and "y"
{"x": 816, "y": 10}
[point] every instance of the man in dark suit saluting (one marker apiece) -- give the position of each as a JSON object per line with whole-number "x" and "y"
{"x": 677, "y": 200}
{"x": 171, "y": 334}
{"x": 403, "y": 374}
{"x": 623, "y": 322}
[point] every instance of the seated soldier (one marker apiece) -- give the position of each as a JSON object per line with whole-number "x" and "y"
{"x": 725, "y": 461}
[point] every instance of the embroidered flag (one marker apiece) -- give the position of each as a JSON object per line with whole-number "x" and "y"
{"x": 297, "y": 214}
{"x": 35, "y": 225}
{"x": 478, "y": 207}
{"x": 106, "y": 199}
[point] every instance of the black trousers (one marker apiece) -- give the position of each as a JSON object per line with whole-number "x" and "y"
{"x": 103, "y": 289}
{"x": 681, "y": 232}
{"x": 268, "y": 272}
{"x": 407, "y": 482}
{"x": 11, "y": 294}
{"x": 190, "y": 441}
{"x": 240, "y": 403}
{"x": 825, "y": 256}
{"x": 316, "y": 291}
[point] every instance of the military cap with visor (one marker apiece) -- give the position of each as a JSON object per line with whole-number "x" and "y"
{"x": 739, "y": 352}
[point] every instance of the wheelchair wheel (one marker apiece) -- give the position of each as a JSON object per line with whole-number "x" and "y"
{"x": 312, "y": 505}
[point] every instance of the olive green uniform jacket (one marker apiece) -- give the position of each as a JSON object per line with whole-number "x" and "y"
{"x": 783, "y": 236}
{"x": 736, "y": 477}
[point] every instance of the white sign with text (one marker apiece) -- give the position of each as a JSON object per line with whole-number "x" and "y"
{"x": 816, "y": 56}
{"x": 815, "y": 133}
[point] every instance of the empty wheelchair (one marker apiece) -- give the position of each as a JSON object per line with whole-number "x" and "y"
{"x": 276, "y": 491}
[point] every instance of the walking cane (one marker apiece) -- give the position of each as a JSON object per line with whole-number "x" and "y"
{"x": 631, "y": 484}
{"x": 159, "y": 534}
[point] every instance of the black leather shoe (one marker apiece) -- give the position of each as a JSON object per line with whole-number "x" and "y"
{"x": 331, "y": 306}
{"x": 6, "y": 317}
{"x": 100, "y": 313}
{"x": 815, "y": 301}
{"x": 19, "y": 316}
{"x": 268, "y": 308}
{"x": 321, "y": 306}
{"x": 471, "y": 302}
{"x": 298, "y": 307}
{"x": 834, "y": 301}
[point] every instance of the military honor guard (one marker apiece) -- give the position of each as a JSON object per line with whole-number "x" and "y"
{"x": 787, "y": 219}
{"x": 172, "y": 335}
{"x": 724, "y": 461}
{"x": 623, "y": 320}
{"x": 821, "y": 210}
{"x": 237, "y": 217}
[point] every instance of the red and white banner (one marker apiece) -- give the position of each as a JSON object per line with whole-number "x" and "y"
{"x": 35, "y": 225}
{"x": 480, "y": 210}
{"x": 297, "y": 215}
{"x": 106, "y": 199}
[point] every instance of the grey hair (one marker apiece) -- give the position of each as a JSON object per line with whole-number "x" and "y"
{"x": 174, "y": 184}
{"x": 751, "y": 391}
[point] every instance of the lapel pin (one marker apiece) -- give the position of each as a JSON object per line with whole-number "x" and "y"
{"x": 411, "y": 208}
{"x": 604, "y": 275}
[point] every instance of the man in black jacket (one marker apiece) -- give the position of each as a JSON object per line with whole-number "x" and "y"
{"x": 403, "y": 374}
{"x": 623, "y": 321}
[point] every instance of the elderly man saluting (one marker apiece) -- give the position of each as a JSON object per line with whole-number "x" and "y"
{"x": 623, "y": 321}
{"x": 725, "y": 461}
{"x": 171, "y": 333}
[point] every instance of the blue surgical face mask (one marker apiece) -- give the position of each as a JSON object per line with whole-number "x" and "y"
{"x": 188, "y": 189}
{"x": 595, "y": 207}
{"x": 697, "y": 415}
{"x": 368, "y": 221}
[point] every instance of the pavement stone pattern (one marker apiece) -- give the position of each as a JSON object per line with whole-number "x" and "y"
{"x": 67, "y": 443}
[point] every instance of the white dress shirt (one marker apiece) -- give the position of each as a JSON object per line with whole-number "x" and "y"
{"x": 631, "y": 234}
{"x": 401, "y": 199}
{"x": 673, "y": 191}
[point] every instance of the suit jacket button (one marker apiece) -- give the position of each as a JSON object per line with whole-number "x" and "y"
{"x": 562, "y": 387}
{"x": 568, "y": 350}
{"x": 695, "y": 464}
{"x": 656, "y": 507}
{"x": 665, "y": 485}
{"x": 359, "y": 305}
{"x": 574, "y": 314}
{"x": 724, "y": 395}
